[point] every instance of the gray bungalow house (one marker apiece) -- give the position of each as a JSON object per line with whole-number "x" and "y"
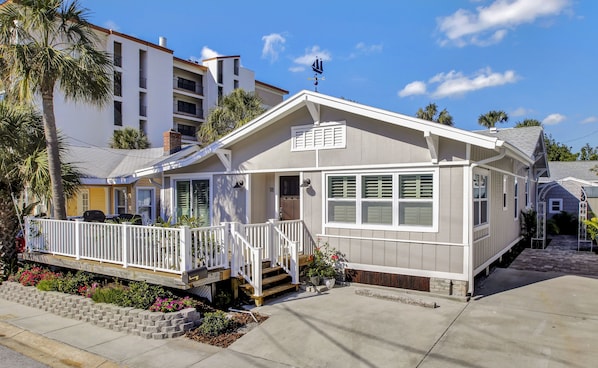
{"x": 411, "y": 203}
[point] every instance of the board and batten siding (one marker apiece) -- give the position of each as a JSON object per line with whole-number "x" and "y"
{"x": 440, "y": 251}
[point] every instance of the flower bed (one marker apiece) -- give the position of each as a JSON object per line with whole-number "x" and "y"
{"x": 144, "y": 323}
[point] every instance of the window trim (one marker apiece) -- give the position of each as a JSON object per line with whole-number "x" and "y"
{"x": 115, "y": 199}
{"x": 481, "y": 225}
{"x": 173, "y": 186}
{"x": 516, "y": 199}
{"x": 395, "y": 200}
{"x": 81, "y": 205}
{"x": 505, "y": 201}
{"x": 153, "y": 197}
{"x": 555, "y": 200}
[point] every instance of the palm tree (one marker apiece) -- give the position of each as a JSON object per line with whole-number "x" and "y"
{"x": 129, "y": 138}
{"x": 24, "y": 167}
{"x": 430, "y": 113}
{"x": 528, "y": 123}
{"x": 46, "y": 44}
{"x": 232, "y": 112}
{"x": 492, "y": 117}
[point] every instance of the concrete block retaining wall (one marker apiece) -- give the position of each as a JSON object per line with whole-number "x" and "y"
{"x": 149, "y": 325}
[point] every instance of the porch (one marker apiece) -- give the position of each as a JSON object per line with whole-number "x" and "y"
{"x": 182, "y": 257}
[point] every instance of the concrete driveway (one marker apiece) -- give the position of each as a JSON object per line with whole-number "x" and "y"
{"x": 519, "y": 319}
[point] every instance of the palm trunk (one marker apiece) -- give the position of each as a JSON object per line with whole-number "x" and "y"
{"x": 54, "y": 168}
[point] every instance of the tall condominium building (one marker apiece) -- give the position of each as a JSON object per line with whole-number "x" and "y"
{"x": 154, "y": 91}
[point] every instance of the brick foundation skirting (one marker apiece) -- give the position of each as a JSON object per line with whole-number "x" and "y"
{"x": 149, "y": 325}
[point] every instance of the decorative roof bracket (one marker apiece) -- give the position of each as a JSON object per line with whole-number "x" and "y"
{"x": 225, "y": 157}
{"x": 432, "y": 141}
{"x": 314, "y": 110}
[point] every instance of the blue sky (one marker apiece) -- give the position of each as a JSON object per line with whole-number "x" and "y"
{"x": 531, "y": 58}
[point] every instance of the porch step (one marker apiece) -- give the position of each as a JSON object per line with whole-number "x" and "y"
{"x": 259, "y": 301}
{"x": 275, "y": 279}
{"x": 267, "y": 270}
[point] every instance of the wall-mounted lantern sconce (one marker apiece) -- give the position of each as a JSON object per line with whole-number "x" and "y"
{"x": 238, "y": 185}
{"x": 306, "y": 183}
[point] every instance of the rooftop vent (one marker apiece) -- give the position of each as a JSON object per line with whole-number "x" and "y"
{"x": 162, "y": 41}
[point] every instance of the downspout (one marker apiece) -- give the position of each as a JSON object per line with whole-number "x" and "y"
{"x": 503, "y": 153}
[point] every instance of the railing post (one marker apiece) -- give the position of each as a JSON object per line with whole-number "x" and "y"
{"x": 78, "y": 227}
{"x": 228, "y": 244}
{"x": 294, "y": 262}
{"x": 256, "y": 272}
{"x": 270, "y": 243}
{"x": 27, "y": 234}
{"x": 126, "y": 236}
{"x": 185, "y": 248}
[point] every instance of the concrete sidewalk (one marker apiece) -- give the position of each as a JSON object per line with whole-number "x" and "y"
{"x": 519, "y": 319}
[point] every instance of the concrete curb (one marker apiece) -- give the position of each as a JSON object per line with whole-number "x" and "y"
{"x": 395, "y": 298}
{"x": 50, "y": 352}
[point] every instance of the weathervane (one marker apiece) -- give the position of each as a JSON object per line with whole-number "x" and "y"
{"x": 318, "y": 68}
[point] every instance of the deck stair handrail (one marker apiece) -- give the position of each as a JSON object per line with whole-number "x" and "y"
{"x": 286, "y": 253}
{"x": 246, "y": 259}
{"x": 259, "y": 236}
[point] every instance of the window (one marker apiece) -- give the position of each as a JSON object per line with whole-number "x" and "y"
{"x": 324, "y": 136}
{"x": 516, "y": 199}
{"x": 83, "y": 201}
{"x": 187, "y": 84}
{"x": 120, "y": 200}
{"x": 187, "y": 130}
{"x": 404, "y": 200}
{"x": 118, "y": 59}
{"x": 220, "y": 93}
{"x": 415, "y": 200}
{"x": 118, "y": 115}
{"x": 187, "y": 107}
{"x": 504, "y": 192}
{"x": 193, "y": 199}
{"x": 555, "y": 205}
{"x": 145, "y": 203}
{"x": 235, "y": 84}
{"x": 526, "y": 193}
{"x": 219, "y": 71}
{"x": 118, "y": 90}
{"x": 236, "y": 67}
{"x": 480, "y": 199}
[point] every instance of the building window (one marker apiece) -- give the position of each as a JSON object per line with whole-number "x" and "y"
{"x": 235, "y": 84}
{"x": 120, "y": 200}
{"x": 324, "y": 136}
{"x": 236, "y": 67}
{"x": 504, "y": 192}
{"x": 118, "y": 116}
{"x": 187, "y": 107}
{"x": 143, "y": 126}
{"x": 193, "y": 199}
{"x": 526, "y": 194}
{"x": 187, "y": 130}
{"x": 145, "y": 204}
{"x": 400, "y": 200}
{"x": 187, "y": 84}
{"x": 480, "y": 199}
{"x": 219, "y": 71}
{"x": 555, "y": 205}
{"x": 118, "y": 59}
{"x": 220, "y": 94}
{"x": 516, "y": 199}
{"x": 83, "y": 201}
{"x": 118, "y": 90}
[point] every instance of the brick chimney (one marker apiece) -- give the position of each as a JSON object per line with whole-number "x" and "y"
{"x": 172, "y": 142}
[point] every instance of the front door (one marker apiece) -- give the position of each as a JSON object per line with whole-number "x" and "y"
{"x": 289, "y": 198}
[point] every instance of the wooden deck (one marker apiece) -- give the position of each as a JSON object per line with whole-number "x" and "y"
{"x": 166, "y": 279}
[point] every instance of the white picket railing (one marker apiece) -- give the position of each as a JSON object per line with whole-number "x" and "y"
{"x": 177, "y": 250}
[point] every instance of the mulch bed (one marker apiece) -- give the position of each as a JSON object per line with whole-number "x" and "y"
{"x": 242, "y": 323}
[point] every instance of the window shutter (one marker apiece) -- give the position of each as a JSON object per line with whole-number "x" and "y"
{"x": 201, "y": 196}
{"x": 341, "y": 186}
{"x": 416, "y": 186}
{"x": 379, "y": 186}
{"x": 183, "y": 195}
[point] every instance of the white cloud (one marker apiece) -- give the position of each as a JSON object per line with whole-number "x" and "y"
{"x": 361, "y": 48}
{"x": 273, "y": 46}
{"x": 553, "y": 119}
{"x": 590, "y": 119}
{"x": 520, "y": 111}
{"x": 297, "y": 69}
{"x": 110, "y": 24}
{"x": 208, "y": 53}
{"x": 455, "y": 83}
{"x": 489, "y": 24}
{"x": 413, "y": 88}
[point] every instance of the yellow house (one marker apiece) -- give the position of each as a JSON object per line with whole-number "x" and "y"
{"x": 111, "y": 181}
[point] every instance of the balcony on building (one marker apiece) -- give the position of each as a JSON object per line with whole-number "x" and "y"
{"x": 187, "y": 85}
{"x": 188, "y": 109}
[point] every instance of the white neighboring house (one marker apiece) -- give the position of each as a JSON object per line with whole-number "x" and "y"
{"x": 154, "y": 91}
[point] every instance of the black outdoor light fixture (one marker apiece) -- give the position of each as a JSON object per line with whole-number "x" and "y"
{"x": 306, "y": 183}
{"x": 238, "y": 184}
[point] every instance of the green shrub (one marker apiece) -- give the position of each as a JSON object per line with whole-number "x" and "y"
{"x": 564, "y": 223}
{"x": 528, "y": 224}
{"x": 142, "y": 295}
{"x": 70, "y": 284}
{"x": 49, "y": 284}
{"x": 215, "y": 323}
{"x": 109, "y": 294}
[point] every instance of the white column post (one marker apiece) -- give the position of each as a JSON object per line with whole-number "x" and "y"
{"x": 228, "y": 248}
{"x": 126, "y": 241}
{"x": 78, "y": 232}
{"x": 185, "y": 248}
{"x": 295, "y": 262}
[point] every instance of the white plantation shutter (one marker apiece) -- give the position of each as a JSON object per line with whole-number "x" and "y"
{"x": 415, "y": 199}
{"x": 324, "y": 136}
{"x": 376, "y": 199}
{"x": 341, "y": 203}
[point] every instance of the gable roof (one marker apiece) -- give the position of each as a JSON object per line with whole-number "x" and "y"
{"x": 313, "y": 101}
{"x": 100, "y": 165}
{"x": 572, "y": 170}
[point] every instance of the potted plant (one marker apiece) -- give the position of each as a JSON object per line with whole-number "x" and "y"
{"x": 323, "y": 266}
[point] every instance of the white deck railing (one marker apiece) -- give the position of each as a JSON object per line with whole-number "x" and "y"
{"x": 242, "y": 247}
